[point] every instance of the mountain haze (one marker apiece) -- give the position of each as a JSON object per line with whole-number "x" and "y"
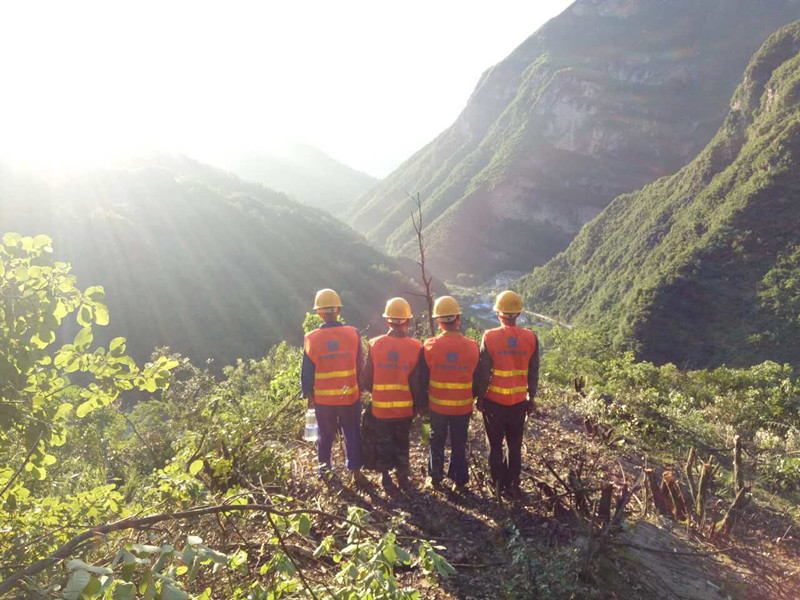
{"x": 703, "y": 267}
{"x": 302, "y": 171}
{"x": 605, "y": 98}
{"x": 195, "y": 258}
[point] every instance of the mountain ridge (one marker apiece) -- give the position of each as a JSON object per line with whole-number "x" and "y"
{"x": 701, "y": 267}
{"x": 597, "y": 102}
{"x": 193, "y": 257}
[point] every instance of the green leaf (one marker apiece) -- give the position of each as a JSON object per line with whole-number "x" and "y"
{"x": 196, "y": 467}
{"x": 117, "y": 346}
{"x": 41, "y": 242}
{"x": 145, "y": 549}
{"x": 169, "y": 592}
{"x": 93, "y": 588}
{"x": 76, "y": 584}
{"x": 21, "y": 274}
{"x": 304, "y": 524}
{"x": 85, "y": 408}
{"x": 12, "y": 239}
{"x": 95, "y": 293}
{"x": 85, "y": 316}
{"x": 124, "y": 591}
{"x": 101, "y": 315}
{"x": 84, "y": 338}
{"x": 194, "y": 540}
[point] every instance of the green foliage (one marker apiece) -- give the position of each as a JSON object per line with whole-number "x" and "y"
{"x": 196, "y": 441}
{"x": 701, "y": 268}
{"x": 44, "y": 386}
{"x": 653, "y": 406}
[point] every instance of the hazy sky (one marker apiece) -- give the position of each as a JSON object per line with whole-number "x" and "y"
{"x": 367, "y": 81}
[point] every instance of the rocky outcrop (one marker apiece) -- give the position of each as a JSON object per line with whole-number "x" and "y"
{"x": 603, "y": 99}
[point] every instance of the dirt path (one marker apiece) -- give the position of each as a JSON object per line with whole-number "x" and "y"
{"x": 531, "y": 549}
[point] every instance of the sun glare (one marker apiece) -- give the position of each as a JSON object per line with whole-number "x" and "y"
{"x": 366, "y": 82}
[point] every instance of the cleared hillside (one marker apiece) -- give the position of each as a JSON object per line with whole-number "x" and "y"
{"x": 702, "y": 267}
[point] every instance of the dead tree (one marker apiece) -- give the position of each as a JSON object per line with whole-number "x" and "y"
{"x": 427, "y": 278}
{"x": 707, "y": 473}
{"x": 690, "y": 460}
{"x": 660, "y": 501}
{"x": 738, "y": 472}
{"x": 732, "y": 516}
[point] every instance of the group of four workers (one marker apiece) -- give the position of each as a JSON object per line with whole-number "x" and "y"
{"x": 442, "y": 377}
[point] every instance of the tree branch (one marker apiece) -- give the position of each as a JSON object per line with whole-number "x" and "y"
{"x": 144, "y": 523}
{"x": 22, "y": 466}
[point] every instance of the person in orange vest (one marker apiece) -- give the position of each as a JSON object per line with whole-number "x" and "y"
{"x": 392, "y": 374}
{"x": 449, "y": 368}
{"x": 332, "y": 363}
{"x": 506, "y": 384}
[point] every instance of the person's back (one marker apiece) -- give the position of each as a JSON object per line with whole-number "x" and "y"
{"x": 450, "y": 364}
{"x": 511, "y": 349}
{"x": 332, "y": 361}
{"x": 333, "y": 348}
{"x": 451, "y": 359}
{"x": 506, "y": 383}
{"x": 392, "y": 375}
{"x": 394, "y": 358}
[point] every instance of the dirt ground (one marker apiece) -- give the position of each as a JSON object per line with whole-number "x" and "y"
{"x": 537, "y": 546}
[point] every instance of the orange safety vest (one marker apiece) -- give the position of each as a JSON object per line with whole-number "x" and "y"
{"x": 393, "y": 359}
{"x": 334, "y": 352}
{"x": 452, "y": 359}
{"x": 511, "y": 349}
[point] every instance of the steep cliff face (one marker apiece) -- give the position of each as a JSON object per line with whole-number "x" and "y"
{"x": 606, "y": 97}
{"x": 703, "y": 267}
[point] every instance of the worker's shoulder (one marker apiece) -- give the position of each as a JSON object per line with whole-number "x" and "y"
{"x": 376, "y": 339}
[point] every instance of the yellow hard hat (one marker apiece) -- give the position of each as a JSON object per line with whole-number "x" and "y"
{"x": 446, "y": 306}
{"x": 508, "y": 302}
{"x": 398, "y": 308}
{"x": 327, "y": 298}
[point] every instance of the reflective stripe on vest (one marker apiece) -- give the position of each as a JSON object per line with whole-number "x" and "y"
{"x": 334, "y": 351}
{"x": 393, "y": 360}
{"x": 511, "y": 349}
{"x": 452, "y": 360}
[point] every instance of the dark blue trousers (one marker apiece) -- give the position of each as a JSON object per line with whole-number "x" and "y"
{"x": 330, "y": 419}
{"x": 458, "y": 425}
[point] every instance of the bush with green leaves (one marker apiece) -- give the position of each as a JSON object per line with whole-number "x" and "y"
{"x": 46, "y": 386}
{"x": 661, "y": 405}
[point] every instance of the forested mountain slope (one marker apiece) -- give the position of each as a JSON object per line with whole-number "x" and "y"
{"x": 601, "y": 100}
{"x": 196, "y": 258}
{"x": 302, "y": 171}
{"x": 702, "y": 267}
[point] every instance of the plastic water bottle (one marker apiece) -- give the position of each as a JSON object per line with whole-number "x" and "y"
{"x": 311, "y": 433}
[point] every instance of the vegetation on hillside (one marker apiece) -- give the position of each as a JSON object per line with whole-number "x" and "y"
{"x": 600, "y": 101}
{"x": 201, "y": 487}
{"x": 197, "y": 259}
{"x": 306, "y": 173}
{"x": 701, "y": 268}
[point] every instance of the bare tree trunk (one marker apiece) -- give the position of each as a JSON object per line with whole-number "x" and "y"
{"x": 738, "y": 472}
{"x": 690, "y": 475}
{"x": 416, "y": 220}
{"x": 730, "y": 518}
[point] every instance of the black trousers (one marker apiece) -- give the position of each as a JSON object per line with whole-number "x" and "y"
{"x": 458, "y": 471}
{"x": 392, "y": 444}
{"x": 504, "y": 423}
